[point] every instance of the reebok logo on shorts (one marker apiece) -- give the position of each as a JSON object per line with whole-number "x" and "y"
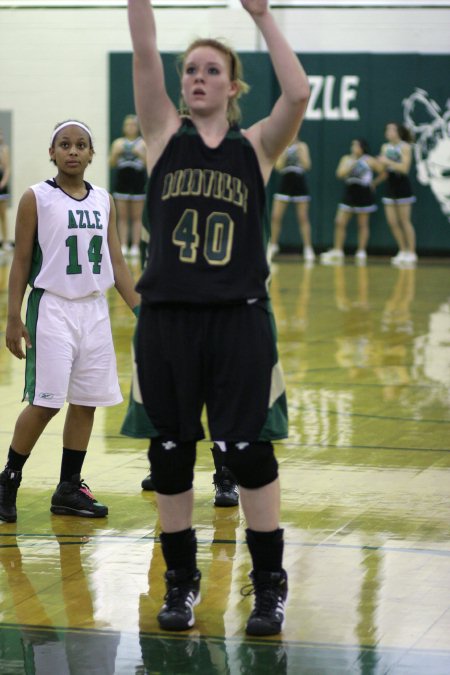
{"x": 45, "y": 394}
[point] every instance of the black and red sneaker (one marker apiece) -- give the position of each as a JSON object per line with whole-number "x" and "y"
{"x": 74, "y": 498}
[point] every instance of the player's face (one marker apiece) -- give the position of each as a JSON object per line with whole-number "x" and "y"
{"x": 71, "y": 150}
{"x": 205, "y": 83}
{"x": 130, "y": 128}
{"x": 391, "y": 133}
{"x": 356, "y": 148}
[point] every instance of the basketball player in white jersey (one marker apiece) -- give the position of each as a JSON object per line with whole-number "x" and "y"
{"x": 68, "y": 251}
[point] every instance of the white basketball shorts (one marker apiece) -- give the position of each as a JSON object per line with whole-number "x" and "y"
{"x": 72, "y": 355}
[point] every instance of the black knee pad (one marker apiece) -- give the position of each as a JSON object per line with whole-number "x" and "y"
{"x": 172, "y": 465}
{"x": 253, "y": 464}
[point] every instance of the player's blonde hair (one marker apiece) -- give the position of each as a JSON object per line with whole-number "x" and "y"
{"x": 235, "y": 72}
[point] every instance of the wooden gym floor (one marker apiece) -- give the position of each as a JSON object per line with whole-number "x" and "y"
{"x": 365, "y": 483}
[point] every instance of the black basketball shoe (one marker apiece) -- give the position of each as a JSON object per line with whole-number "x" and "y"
{"x": 74, "y": 498}
{"x": 147, "y": 483}
{"x": 227, "y": 491}
{"x": 183, "y": 594}
{"x": 270, "y": 591}
{"x": 9, "y": 484}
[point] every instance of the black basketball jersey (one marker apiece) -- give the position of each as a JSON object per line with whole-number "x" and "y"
{"x": 206, "y": 212}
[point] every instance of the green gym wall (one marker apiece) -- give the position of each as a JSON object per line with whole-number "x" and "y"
{"x": 352, "y": 95}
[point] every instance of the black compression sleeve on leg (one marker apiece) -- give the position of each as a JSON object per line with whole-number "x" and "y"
{"x": 172, "y": 464}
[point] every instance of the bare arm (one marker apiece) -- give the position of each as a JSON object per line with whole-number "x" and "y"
{"x": 271, "y": 135}
{"x": 26, "y": 224}
{"x": 344, "y": 167}
{"x": 116, "y": 149}
{"x": 158, "y": 117}
{"x": 281, "y": 161}
{"x": 141, "y": 151}
{"x": 123, "y": 280}
{"x": 5, "y": 166}
{"x": 400, "y": 167}
{"x": 375, "y": 164}
{"x": 305, "y": 157}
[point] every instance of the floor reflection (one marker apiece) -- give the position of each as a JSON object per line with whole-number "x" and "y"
{"x": 365, "y": 478}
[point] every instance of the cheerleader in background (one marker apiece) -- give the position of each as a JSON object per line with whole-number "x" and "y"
{"x": 396, "y": 157}
{"x": 357, "y": 170}
{"x": 293, "y": 164}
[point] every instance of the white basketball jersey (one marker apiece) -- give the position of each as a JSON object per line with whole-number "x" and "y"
{"x": 71, "y": 256}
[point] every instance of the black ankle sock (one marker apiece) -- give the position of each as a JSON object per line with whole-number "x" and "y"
{"x": 15, "y": 461}
{"x": 266, "y": 550}
{"x": 180, "y": 550}
{"x": 218, "y": 457}
{"x": 71, "y": 463}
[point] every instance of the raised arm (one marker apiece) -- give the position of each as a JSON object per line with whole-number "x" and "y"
{"x": 158, "y": 117}
{"x": 271, "y": 135}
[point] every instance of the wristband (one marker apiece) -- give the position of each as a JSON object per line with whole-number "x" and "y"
{"x": 136, "y": 310}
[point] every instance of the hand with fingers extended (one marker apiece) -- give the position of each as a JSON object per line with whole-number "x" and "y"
{"x": 15, "y": 332}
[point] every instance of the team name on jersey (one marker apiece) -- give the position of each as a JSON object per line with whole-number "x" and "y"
{"x": 205, "y": 183}
{"x": 82, "y": 219}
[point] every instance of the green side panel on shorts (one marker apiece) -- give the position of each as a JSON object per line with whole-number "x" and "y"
{"x": 34, "y": 300}
{"x": 137, "y": 423}
{"x": 276, "y": 424}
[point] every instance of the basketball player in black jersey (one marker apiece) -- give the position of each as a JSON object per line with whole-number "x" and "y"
{"x": 206, "y": 333}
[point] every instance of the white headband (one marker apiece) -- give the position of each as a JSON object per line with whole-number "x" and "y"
{"x": 68, "y": 124}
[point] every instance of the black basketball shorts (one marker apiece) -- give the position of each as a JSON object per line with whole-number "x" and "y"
{"x": 220, "y": 356}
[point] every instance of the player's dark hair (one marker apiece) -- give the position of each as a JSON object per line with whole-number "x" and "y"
{"x": 403, "y": 131}
{"x": 364, "y": 145}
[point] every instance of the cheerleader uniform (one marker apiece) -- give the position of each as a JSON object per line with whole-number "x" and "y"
{"x": 358, "y": 195}
{"x": 293, "y": 186}
{"x": 398, "y": 188}
{"x": 131, "y": 174}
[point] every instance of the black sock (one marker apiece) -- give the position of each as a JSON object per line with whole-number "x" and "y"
{"x": 218, "y": 457}
{"x": 266, "y": 550}
{"x": 15, "y": 461}
{"x": 71, "y": 463}
{"x": 220, "y": 463}
{"x": 180, "y": 550}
